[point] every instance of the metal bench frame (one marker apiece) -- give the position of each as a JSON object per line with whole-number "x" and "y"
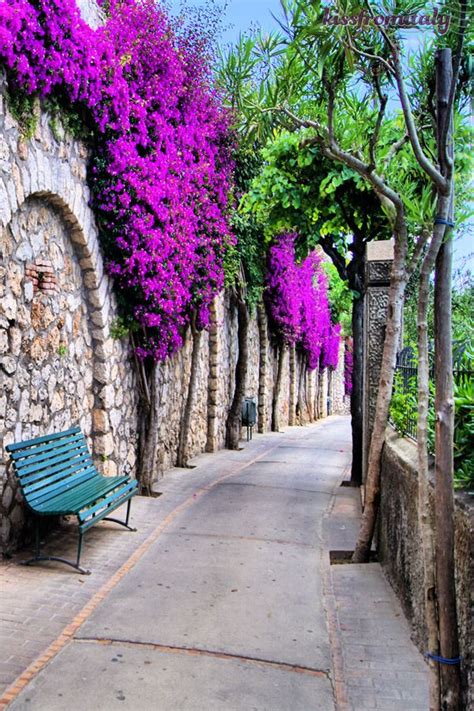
{"x": 57, "y": 478}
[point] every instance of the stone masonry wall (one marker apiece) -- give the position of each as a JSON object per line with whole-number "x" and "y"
{"x": 399, "y": 548}
{"x": 59, "y": 365}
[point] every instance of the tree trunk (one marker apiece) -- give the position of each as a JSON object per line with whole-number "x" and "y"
{"x": 148, "y": 464}
{"x": 424, "y": 509}
{"x": 444, "y": 407}
{"x": 357, "y": 389}
{"x": 392, "y": 335}
{"x": 301, "y": 401}
{"x": 292, "y": 394}
{"x": 277, "y": 390}
{"x": 182, "y": 457}
{"x": 444, "y": 497}
{"x": 234, "y": 418}
{"x": 262, "y": 367}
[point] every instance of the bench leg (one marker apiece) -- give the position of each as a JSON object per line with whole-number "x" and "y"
{"x": 39, "y": 557}
{"x": 122, "y": 523}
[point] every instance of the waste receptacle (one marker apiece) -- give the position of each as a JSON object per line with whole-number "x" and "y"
{"x": 249, "y": 415}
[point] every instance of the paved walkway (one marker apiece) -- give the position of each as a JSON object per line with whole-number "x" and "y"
{"x": 223, "y": 600}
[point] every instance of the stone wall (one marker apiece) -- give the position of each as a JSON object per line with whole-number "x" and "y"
{"x": 399, "y": 547}
{"x": 59, "y": 365}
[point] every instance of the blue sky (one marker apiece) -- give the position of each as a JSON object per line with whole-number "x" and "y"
{"x": 241, "y": 15}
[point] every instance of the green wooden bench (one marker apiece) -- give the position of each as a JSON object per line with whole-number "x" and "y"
{"x": 57, "y": 478}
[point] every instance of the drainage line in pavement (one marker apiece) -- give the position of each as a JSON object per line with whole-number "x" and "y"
{"x": 194, "y": 651}
{"x": 252, "y": 539}
{"x": 280, "y": 488}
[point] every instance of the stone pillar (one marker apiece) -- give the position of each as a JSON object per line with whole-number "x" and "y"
{"x": 212, "y": 443}
{"x": 379, "y": 257}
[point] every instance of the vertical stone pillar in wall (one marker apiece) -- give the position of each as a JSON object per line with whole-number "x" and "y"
{"x": 379, "y": 257}
{"x": 212, "y": 443}
{"x": 323, "y": 393}
{"x": 262, "y": 368}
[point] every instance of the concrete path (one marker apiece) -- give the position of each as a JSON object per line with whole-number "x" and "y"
{"x": 230, "y": 602}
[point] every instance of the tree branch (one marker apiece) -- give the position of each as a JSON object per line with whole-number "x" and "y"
{"x": 446, "y": 158}
{"x": 423, "y": 161}
{"x": 367, "y": 55}
{"x": 334, "y": 152}
{"x": 336, "y": 257}
{"x": 383, "y": 98}
{"x": 395, "y": 148}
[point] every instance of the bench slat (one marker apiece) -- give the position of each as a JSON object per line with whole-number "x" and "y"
{"x": 36, "y": 469}
{"x": 80, "y": 497}
{"x": 83, "y": 515}
{"x": 132, "y": 491}
{"x": 61, "y": 481}
{"x": 65, "y": 494}
{"x": 39, "y": 477}
{"x": 39, "y": 440}
{"x": 28, "y": 455}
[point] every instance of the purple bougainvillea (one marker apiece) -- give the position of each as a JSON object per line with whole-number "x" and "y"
{"x": 297, "y": 300}
{"x": 161, "y": 169}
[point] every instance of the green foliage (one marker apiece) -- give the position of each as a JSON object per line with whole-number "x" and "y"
{"x": 298, "y": 190}
{"x": 245, "y": 261}
{"x": 404, "y": 410}
{"x": 65, "y": 118}
{"x": 403, "y": 405}
{"x": 22, "y": 108}
{"x": 62, "y": 350}
{"x": 464, "y": 435}
{"x": 462, "y": 310}
{"x": 340, "y": 299}
{"x": 121, "y": 327}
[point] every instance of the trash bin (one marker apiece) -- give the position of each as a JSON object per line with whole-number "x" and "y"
{"x": 249, "y": 415}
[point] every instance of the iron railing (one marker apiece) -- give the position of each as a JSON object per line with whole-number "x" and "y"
{"x": 405, "y": 384}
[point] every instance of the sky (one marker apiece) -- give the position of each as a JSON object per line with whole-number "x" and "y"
{"x": 242, "y": 15}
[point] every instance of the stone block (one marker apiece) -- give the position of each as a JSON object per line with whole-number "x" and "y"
{"x": 17, "y": 516}
{"x": 4, "y": 346}
{"x": 132, "y": 458}
{"x": 57, "y": 402}
{"x": 90, "y": 279}
{"x": 8, "y": 307}
{"x": 104, "y": 445}
{"x": 109, "y": 468}
{"x": 5, "y": 527}
{"x": 22, "y": 149}
{"x": 7, "y": 497}
{"x": 36, "y": 414}
{"x": 20, "y": 193}
{"x": 115, "y": 418}
{"x": 8, "y": 364}
{"x": 102, "y": 372}
{"x": 100, "y": 421}
{"x": 106, "y": 396}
